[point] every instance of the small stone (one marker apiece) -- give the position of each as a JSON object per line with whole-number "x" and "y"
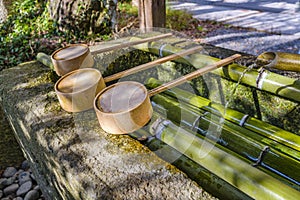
{"x": 18, "y": 198}
{"x": 37, "y": 187}
{"x": 24, "y": 177}
{"x": 24, "y": 188}
{"x": 9, "y": 172}
{"x": 6, "y": 198}
{"x": 1, "y": 193}
{"x": 2, "y": 182}
{"x": 8, "y": 181}
{"x": 25, "y": 165}
{"x": 32, "y": 195}
{"x": 10, "y": 189}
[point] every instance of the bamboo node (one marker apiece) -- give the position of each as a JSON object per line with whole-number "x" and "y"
{"x": 158, "y": 127}
{"x": 243, "y": 120}
{"x": 161, "y": 50}
{"x": 197, "y": 120}
{"x": 261, "y": 156}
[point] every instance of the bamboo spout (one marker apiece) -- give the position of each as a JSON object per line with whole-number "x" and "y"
{"x": 279, "y": 60}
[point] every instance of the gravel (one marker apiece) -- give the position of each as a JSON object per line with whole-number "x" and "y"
{"x": 19, "y": 184}
{"x": 253, "y": 42}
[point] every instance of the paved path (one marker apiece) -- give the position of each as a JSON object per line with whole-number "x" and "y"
{"x": 276, "y": 24}
{"x": 264, "y": 15}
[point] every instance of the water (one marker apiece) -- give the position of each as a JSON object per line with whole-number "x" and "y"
{"x": 122, "y": 97}
{"x": 232, "y": 92}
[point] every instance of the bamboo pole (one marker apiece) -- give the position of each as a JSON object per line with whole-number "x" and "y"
{"x": 151, "y": 64}
{"x": 279, "y": 60}
{"x": 131, "y": 43}
{"x": 194, "y": 74}
{"x": 279, "y": 85}
{"x": 206, "y": 179}
{"x": 238, "y": 139}
{"x": 274, "y": 136}
{"x": 237, "y": 172}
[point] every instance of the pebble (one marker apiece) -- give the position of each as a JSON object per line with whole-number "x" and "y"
{"x": 19, "y": 184}
{"x": 8, "y": 181}
{"x": 24, "y": 177}
{"x": 25, "y": 165}
{"x": 24, "y": 188}
{"x": 9, "y": 172}
{"x": 32, "y": 195}
{"x": 10, "y": 189}
{"x": 2, "y": 183}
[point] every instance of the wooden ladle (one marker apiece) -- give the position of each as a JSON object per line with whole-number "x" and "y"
{"x": 77, "y": 89}
{"x": 125, "y": 106}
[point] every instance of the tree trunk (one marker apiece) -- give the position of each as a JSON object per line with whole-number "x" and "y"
{"x": 90, "y": 16}
{"x": 152, "y": 13}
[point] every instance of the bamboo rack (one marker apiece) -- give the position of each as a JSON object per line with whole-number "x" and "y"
{"x": 279, "y": 85}
{"x": 233, "y": 137}
{"x": 205, "y": 178}
{"x": 274, "y": 135}
{"x": 250, "y": 180}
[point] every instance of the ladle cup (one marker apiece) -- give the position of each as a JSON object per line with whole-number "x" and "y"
{"x": 125, "y": 106}
{"x": 77, "y": 89}
{"x": 70, "y": 58}
{"x": 76, "y": 56}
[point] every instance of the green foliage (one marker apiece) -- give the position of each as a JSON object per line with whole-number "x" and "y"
{"x": 21, "y": 34}
{"x": 180, "y": 20}
{"x": 29, "y": 30}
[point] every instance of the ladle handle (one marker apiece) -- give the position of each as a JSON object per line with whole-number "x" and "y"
{"x": 151, "y": 64}
{"x": 128, "y": 44}
{"x": 193, "y": 75}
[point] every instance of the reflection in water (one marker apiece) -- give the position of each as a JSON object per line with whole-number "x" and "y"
{"x": 122, "y": 97}
{"x": 214, "y": 132}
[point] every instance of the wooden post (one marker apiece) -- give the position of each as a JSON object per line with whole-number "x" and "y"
{"x": 152, "y": 13}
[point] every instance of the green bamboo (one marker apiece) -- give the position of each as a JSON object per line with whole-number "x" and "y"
{"x": 279, "y": 85}
{"x": 207, "y": 180}
{"x": 236, "y": 172}
{"x": 279, "y": 60}
{"x": 45, "y": 59}
{"x": 270, "y": 132}
{"x": 238, "y": 139}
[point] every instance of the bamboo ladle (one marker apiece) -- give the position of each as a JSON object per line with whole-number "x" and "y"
{"x": 76, "y": 56}
{"x": 125, "y": 106}
{"x": 80, "y": 99}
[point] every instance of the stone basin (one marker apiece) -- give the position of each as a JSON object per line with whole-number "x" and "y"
{"x": 73, "y": 158}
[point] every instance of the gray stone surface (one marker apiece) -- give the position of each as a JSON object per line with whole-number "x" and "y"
{"x": 9, "y": 172}
{"x": 32, "y": 195}
{"x": 24, "y": 188}
{"x": 24, "y": 177}
{"x": 7, "y": 181}
{"x": 72, "y": 158}
{"x": 10, "y": 189}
